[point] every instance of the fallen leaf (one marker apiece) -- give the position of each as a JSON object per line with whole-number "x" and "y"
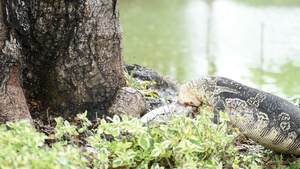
{"x": 265, "y": 159}
{"x": 209, "y": 109}
{"x": 74, "y": 123}
{"x": 76, "y": 118}
{"x": 51, "y": 136}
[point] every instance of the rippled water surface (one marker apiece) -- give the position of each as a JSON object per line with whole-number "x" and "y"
{"x": 254, "y": 42}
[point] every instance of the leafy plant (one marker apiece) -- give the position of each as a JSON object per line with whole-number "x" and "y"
{"x": 124, "y": 142}
{"x": 21, "y": 146}
{"x": 182, "y": 142}
{"x": 143, "y": 86}
{"x": 137, "y": 84}
{"x": 296, "y": 101}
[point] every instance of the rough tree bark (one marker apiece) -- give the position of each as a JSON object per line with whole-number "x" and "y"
{"x": 66, "y": 54}
{"x": 12, "y": 100}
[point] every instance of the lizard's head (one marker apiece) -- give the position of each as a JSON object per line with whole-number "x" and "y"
{"x": 185, "y": 96}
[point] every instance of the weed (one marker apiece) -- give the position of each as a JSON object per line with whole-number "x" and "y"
{"x": 143, "y": 86}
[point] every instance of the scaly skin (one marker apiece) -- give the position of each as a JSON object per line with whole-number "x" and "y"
{"x": 265, "y": 118}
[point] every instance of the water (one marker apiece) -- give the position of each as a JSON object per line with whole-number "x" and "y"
{"x": 254, "y": 42}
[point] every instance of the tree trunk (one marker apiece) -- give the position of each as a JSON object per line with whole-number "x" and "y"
{"x": 68, "y": 54}
{"x": 12, "y": 101}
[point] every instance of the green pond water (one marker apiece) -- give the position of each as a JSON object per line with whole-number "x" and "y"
{"x": 254, "y": 42}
